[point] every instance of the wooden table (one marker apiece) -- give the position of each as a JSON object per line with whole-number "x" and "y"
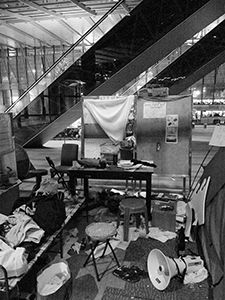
{"x": 113, "y": 173}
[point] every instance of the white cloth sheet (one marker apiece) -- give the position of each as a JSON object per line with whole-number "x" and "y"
{"x": 25, "y": 230}
{"x": 111, "y": 115}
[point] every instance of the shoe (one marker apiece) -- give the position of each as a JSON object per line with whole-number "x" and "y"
{"x": 120, "y": 271}
{"x": 130, "y": 274}
{"x": 142, "y": 273}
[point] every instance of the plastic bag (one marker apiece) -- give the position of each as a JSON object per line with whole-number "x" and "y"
{"x": 14, "y": 261}
{"x": 54, "y": 282}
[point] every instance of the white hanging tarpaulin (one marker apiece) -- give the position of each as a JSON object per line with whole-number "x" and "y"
{"x": 111, "y": 113}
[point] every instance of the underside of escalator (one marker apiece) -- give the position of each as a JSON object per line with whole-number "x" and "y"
{"x": 201, "y": 59}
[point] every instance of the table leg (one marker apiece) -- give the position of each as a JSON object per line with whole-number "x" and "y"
{"x": 72, "y": 184}
{"x": 86, "y": 195}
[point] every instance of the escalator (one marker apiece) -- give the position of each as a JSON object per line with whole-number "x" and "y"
{"x": 201, "y": 59}
{"x": 152, "y": 31}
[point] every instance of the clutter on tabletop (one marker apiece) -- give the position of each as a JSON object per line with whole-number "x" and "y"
{"x": 97, "y": 163}
{"x": 144, "y": 163}
{"x": 103, "y": 162}
{"x": 125, "y": 163}
{"x": 135, "y": 164}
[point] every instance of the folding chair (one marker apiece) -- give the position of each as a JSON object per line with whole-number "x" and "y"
{"x": 59, "y": 174}
{"x": 69, "y": 153}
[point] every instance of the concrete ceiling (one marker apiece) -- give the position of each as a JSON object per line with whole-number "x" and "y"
{"x": 26, "y": 23}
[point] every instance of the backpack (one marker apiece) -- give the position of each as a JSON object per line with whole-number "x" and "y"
{"x": 49, "y": 211}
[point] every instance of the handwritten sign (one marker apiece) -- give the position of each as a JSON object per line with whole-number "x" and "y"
{"x": 218, "y": 137}
{"x": 154, "y": 110}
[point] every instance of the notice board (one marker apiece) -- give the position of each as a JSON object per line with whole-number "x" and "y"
{"x": 164, "y": 133}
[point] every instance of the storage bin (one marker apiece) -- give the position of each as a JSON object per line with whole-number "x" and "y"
{"x": 164, "y": 215}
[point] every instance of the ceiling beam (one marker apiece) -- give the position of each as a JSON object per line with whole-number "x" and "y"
{"x": 15, "y": 40}
{"x": 84, "y": 7}
{"x": 72, "y": 30}
{"x": 15, "y": 15}
{"x": 41, "y": 8}
{"x": 50, "y": 33}
{"x": 24, "y": 33}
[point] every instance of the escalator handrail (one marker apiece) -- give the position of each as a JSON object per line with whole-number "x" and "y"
{"x": 66, "y": 53}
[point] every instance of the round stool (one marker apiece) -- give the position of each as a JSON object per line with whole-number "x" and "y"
{"x": 97, "y": 233}
{"x": 130, "y": 206}
{"x": 38, "y": 173}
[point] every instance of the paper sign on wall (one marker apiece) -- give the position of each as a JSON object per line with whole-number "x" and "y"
{"x": 171, "y": 129}
{"x": 154, "y": 110}
{"x": 218, "y": 137}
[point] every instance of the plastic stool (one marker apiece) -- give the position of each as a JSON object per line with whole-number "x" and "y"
{"x": 130, "y": 206}
{"x": 100, "y": 233}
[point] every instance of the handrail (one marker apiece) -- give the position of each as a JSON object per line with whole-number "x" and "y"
{"x": 65, "y": 54}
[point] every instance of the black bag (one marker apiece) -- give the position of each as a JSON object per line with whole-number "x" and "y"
{"x": 49, "y": 212}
